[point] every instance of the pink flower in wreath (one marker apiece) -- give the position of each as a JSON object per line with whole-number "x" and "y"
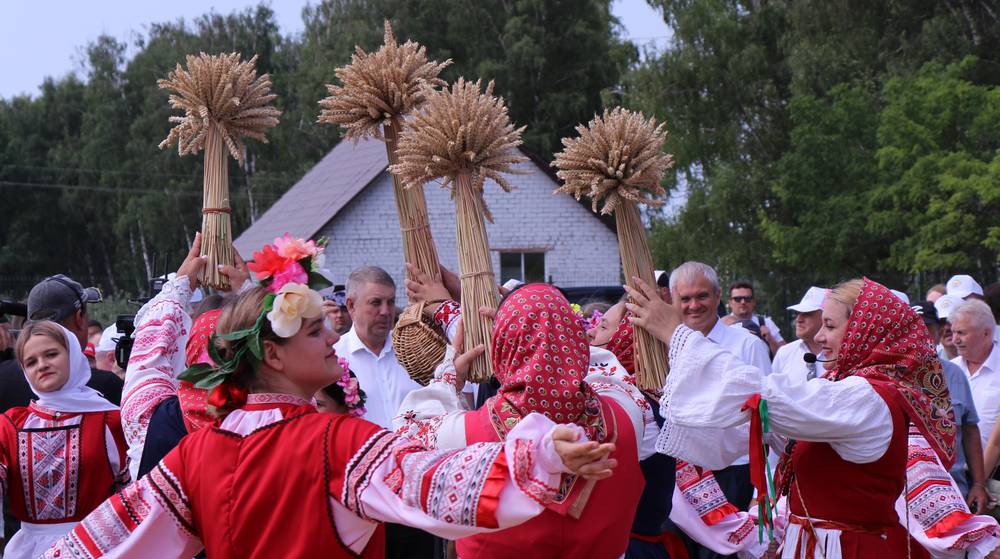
{"x": 292, "y": 272}
{"x": 295, "y": 249}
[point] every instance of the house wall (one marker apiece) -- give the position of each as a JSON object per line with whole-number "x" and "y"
{"x": 579, "y": 249}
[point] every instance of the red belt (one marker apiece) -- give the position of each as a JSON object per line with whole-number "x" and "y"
{"x": 810, "y": 524}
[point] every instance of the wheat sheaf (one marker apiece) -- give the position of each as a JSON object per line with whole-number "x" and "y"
{"x": 616, "y": 157}
{"x": 223, "y": 90}
{"x": 380, "y": 86}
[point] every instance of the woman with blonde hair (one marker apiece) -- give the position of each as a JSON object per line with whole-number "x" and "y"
{"x": 63, "y": 454}
{"x": 847, "y": 463}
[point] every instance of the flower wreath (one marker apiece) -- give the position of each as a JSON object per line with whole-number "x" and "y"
{"x": 289, "y": 268}
{"x": 354, "y": 397}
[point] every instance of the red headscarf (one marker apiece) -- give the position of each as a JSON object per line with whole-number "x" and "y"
{"x": 887, "y": 343}
{"x": 622, "y": 344}
{"x": 540, "y": 356}
{"x": 193, "y": 400}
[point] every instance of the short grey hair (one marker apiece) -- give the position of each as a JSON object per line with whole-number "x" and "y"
{"x": 364, "y": 275}
{"x": 691, "y": 271}
{"x": 978, "y": 313}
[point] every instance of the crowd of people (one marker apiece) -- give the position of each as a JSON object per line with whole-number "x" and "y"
{"x": 275, "y": 419}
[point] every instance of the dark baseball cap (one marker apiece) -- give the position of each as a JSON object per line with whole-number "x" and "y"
{"x": 56, "y": 297}
{"x": 926, "y": 311}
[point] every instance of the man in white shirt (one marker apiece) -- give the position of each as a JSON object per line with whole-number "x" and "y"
{"x": 972, "y": 331}
{"x": 694, "y": 287}
{"x": 367, "y": 346}
{"x": 789, "y": 358}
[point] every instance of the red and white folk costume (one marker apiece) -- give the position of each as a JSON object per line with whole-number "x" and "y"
{"x": 542, "y": 360}
{"x": 60, "y": 457}
{"x": 849, "y": 464}
{"x": 277, "y": 478}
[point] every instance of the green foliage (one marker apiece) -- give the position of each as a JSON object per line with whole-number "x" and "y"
{"x": 819, "y": 140}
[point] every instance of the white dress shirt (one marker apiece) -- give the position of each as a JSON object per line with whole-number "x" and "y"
{"x": 985, "y": 384}
{"x": 383, "y": 379}
{"x": 747, "y": 347}
{"x": 788, "y": 361}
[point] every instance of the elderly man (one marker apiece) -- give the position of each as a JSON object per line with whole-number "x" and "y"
{"x": 789, "y": 360}
{"x": 694, "y": 287}
{"x": 972, "y": 331}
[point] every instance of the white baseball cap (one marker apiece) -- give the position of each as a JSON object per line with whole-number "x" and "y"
{"x": 945, "y": 304}
{"x": 902, "y": 296}
{"x": 811, "y": 301}
{"x": 109, "y": 338}
{"x": 962, "y": 286}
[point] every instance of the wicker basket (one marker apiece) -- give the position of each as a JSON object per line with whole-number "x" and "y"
{"x": 418, "y": 343}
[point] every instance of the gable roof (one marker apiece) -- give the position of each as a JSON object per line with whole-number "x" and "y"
{"x": 329, "y": 186}
{"x": 319, "y": 195}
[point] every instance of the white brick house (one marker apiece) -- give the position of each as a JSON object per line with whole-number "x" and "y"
{"x": 347, "y": 197}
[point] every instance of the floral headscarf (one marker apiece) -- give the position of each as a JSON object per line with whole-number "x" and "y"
{"x": 888, "y": 343}
{"x": 540, "y": 356}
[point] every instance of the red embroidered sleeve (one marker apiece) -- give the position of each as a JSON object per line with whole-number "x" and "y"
{"x": 157, "y": 357}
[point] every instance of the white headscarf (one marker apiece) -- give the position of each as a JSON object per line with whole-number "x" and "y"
{"x": 75, "y": 395}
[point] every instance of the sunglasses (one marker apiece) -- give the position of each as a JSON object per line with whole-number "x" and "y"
{"x": 742, "y": 298}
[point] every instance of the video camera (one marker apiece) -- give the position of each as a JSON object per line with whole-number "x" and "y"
{"x": 125, "y": 324}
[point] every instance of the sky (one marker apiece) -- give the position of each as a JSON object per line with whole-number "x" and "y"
{"x": 40, "y": 38}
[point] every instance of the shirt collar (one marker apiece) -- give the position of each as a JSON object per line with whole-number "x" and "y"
{"x": 993, "y": 361}
{"x": 354, "y": 343}
{"x": 717, "y": 333}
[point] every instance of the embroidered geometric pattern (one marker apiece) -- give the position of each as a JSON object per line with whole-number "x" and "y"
{"x": 928, "y": 489}
{"x": 107, "y": 526}
{"x": 737, "y": 536}
{"x": 50, "y": 466}
{"x": 357, "y": 475}
{"x": 167, "y": 491}
{"x": 452, "y": 481}
{"x": 703, "y": 492}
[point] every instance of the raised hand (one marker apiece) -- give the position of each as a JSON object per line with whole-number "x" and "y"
{"x": 588, "y": 460}
{"x": 238, "y": 273}
{"x": 651, "y": 312}
{"x": 422, "y": 288}
{"x": 193, "y": 263}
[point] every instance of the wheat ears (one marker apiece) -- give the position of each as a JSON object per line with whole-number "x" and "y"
{"x": 458, "y": 131}
{"x": 616, "y": 158}
{"x": 380, "y": 86}
{"x": 220, "y": 89}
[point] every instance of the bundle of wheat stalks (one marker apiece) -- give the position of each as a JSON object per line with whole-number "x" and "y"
{"x": 223, "y": 100}
{"x": 378, "y": 90}
{"x": 464, "y": 137}
{"x": 618, "y": 158}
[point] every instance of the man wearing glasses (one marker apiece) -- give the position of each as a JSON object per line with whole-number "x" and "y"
{"x": 741, "y": 306}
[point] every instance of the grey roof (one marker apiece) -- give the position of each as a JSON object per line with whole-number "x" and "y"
{"x": 318, "y": 196}
{"x": 327, "y": 188}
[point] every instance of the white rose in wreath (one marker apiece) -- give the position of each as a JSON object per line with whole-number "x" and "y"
{"x": 293, "y": 302}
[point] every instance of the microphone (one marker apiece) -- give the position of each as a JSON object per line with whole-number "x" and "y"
{"x": 811, "y": 358}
